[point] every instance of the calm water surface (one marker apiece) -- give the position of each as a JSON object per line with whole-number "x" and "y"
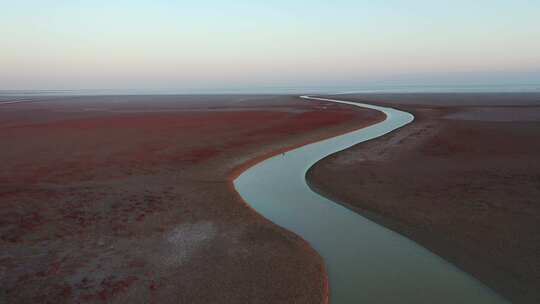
{"x": 366, "y": 262}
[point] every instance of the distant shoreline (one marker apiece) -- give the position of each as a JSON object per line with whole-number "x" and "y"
{"x": 362, "y": 89}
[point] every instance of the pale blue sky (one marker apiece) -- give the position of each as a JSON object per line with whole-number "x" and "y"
{"x": 207, "y": 44}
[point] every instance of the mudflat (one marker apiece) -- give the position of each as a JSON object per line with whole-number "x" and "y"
{"x": 463, "y": 180}
{"x": 128, "y": 199}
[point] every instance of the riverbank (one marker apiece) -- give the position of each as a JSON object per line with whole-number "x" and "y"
{"x": 462, "y": 181}
{"x": 128, "y": 199}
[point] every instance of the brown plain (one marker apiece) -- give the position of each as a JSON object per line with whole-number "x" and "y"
{"x": 463, "y": 180}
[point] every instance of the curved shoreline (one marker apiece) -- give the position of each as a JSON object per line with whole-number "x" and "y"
{"x": 307, "y": 213}
{"x": 238, "y": 170}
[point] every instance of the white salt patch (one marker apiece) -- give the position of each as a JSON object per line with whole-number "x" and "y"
{"x": 184, "y": 240}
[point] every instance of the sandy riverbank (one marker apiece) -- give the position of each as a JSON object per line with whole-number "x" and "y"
{"x": 128, "y": 199}
{"x": 462, "y": 180}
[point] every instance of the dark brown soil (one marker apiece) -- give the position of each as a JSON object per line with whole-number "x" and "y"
{"x": 128, "y": 199}
{"x": 463, "y": 180}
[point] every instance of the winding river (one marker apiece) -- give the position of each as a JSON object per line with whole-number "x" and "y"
{"x": 366, "y": 262}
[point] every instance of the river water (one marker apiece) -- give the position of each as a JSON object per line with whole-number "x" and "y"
{"x": 366, "y": 262}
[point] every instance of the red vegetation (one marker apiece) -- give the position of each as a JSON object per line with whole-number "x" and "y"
{"x": 88, "y": 148}
{"x": 77, "y": 186}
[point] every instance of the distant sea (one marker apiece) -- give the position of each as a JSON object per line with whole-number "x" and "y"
{"x": 521, "y": 88}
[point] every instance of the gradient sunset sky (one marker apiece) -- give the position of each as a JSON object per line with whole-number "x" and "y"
{"x": 65, "y": 44}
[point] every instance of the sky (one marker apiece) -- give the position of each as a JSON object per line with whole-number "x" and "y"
{"x": 204, "y": 44}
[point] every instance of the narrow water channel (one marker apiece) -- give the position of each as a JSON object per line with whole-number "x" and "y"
{"x": 366, "y": 262}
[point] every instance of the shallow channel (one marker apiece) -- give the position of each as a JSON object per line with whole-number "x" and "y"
{"x": 366, "y": 262}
